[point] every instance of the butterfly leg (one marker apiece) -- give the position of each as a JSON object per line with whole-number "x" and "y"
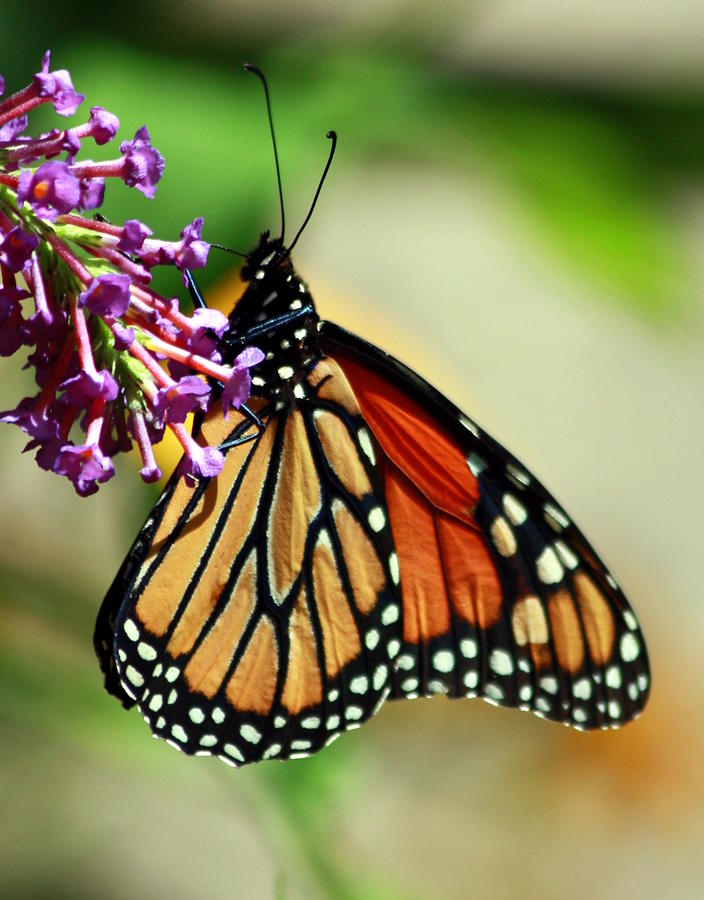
{"x": 253, "y": 419}
{"x": 274, "y": 324}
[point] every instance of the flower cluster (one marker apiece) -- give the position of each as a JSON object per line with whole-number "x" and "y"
{"x": 115, "y": 362}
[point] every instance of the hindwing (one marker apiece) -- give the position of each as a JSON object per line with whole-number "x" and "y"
{"x": 503, "y": 597}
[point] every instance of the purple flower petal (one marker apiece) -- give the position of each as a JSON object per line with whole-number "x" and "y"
{"x": 42, "y": 424}
{"x": 144, "y": 165}
{"x": 201, "y": 462}
{"x": 50, "y": 191}
{"x": 17, "y": 248}
{"x": 103, "y": 125}
{"x": 92, "y": 193}
{"x": 84, "y": 465}
{"x": 59, "y": 87}
{"x": 250, "y": 356}
{"x": 211, "y": 320}
{"x": 124, "y": 337}
{"x": 134, "y": 234}
{"x": 107, "y": 295}
{"x": 173, "y": 404}
{"x": 11, "y": 129}
{"x": 83, "y": 388}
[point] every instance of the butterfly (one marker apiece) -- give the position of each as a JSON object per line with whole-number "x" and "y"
{"x": 365, "y": 540}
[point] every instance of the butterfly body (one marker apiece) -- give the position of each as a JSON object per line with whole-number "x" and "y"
{"x": 368, "y": 540}
{"x": 277, "y": 312}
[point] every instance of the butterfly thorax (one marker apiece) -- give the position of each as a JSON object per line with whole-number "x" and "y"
{"x": 276, "y": 313}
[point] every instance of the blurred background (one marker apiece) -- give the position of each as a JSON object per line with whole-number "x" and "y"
{"x": 517, "y": 210}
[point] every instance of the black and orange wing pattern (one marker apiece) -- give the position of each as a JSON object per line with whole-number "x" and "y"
{"x": 503, "y": 597}
{"x": 367, "y": 540}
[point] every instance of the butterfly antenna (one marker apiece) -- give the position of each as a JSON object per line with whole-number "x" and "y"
{"x": 333, "y": 137}
{"x": 230, "y": 250}
{"x": 248, "y": 67}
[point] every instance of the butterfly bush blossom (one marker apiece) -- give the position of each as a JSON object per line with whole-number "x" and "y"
{"x": 115, "y": 362}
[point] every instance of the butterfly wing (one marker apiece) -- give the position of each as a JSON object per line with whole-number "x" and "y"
{"x": 502, "y": 595}
{"x": 257, "y": 615}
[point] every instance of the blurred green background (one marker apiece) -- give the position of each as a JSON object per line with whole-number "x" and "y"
{"x": 517, "y": 210}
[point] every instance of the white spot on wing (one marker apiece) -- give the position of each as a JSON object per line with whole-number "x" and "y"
{"x": 469, "y": 425}
{"x": 582, "y": 689}
{"x": 514, "y": 509}
{"x": 470, "y": 679}
{"x": 365, "y": 442}
{"x": 359, "y": 684}
{"x": 549, "y": 684}
{"x": 376, "y": 518}
{"x": 494, "y": 691}
{"x": 131, "y": 630}
{"x": 501, "y": 662}
{"x": 134, "y": 677}
{"x": 394, "y": 568}
{"x": 548, "y": 567}
{"x": 178, "y": 732}
{"x": 568, "y": 558}
{"x": 390, "y": 614}
{"x": 371, "y": 639}
{"x": 380, "y": 674}
{"x": 476, "y": 464}
{"x": 468, "y": 648}
{"x": 444, "y": 660}
{"x": 630, "y": 648}
{"x": 613, "y": 677}
{"x": 555, "y": 517}
{"x": 234, "y": 752}
{"x": 146, "y": 651}
{"x": 249, "y": 733}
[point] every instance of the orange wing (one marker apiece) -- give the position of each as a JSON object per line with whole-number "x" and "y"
{"x": 257, "y": 614}
{"x": 502, "y": 596}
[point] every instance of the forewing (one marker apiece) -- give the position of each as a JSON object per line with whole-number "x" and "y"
{"x": 256, "y": 616}
{"x": 503, "y": 597}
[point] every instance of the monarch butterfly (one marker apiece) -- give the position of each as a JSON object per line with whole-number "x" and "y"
{"x": 364, "y": 540}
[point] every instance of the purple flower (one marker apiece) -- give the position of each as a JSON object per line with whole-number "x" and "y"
{"x": 17, "y": 248}
{"x": 192, "y": 253}
{"x": 133, "y": 236}
{"x": 208, "y": 319}
{"x": 92, "y": 193}
{"x": 84, "y": 466}
{"x": 201, "y": 462}
{"x": 239, "y": 385}
{"x": 13, "y": 327}
{"x": 143, "y": 165}
{"x": 71, "y": 143}
{"x": 11, "y": 129}
{"x": 124, "y": 337}
{"x": 59, "y": 87}
{"x": 50, "y": 191}
{"x": 107, "y": 295}
{"x": 83, "y": 388}
{"x": 103, "y": 125}
{"x": 173, "y": 404}
{"x": 40, "y": 424}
